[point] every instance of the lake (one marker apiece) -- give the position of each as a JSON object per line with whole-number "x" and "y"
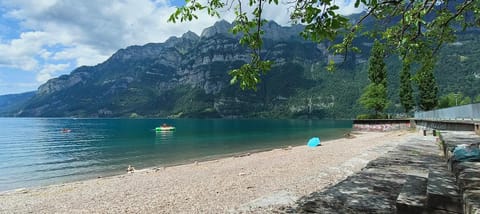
{"x": 36, "y": 151}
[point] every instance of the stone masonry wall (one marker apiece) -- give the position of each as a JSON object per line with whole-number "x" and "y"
{"x": 381, "y": 125}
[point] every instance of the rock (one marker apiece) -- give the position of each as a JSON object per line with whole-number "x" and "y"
{"x": 349, "y": 135}
{"x": 158, "y": 169}
{"x": 442, "y": 192}
{"x": 460, "y": 167}
{"x": 185, "y": 76}
{"x": 413, "y": 196}
{"x": 22, "y": 190}
{"x": 63, "y": 82}
{"x": 359, "y": 193}
{"x": 468, "y": 180}
{"x": 191, "y": 36}
{"x": 242, "y": 155}
{"x": 130, "y": 169}
{"x": 220, "y": 27}
{"x": 471, "y": 200}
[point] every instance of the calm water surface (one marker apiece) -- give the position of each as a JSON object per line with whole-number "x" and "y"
{"x": 35, "y": 151}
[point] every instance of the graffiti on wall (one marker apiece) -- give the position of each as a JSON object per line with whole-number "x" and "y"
{"x": 381, "y": 127}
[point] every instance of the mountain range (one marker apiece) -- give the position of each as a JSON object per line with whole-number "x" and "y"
{"x": 187, "y": 76}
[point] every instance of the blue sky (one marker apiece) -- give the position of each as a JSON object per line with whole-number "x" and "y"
{"x": 43, "y": 39}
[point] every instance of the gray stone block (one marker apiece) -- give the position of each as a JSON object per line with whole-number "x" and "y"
{"x": 471, "y": 200}
{"x": 441, "y": 212}
{"x": 413, "y": 196}
{"x": 460, "y": 167}
{"x": 469, "y": 179}
{"x": 442, "y": 192}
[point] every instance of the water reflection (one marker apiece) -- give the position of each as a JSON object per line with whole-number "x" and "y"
{"x": 164, "y": 137}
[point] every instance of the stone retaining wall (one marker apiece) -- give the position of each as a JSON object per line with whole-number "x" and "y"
{"x": 381, "y": 125}
{"x": 444, "y": 125}
{"x": 466, "y": 172}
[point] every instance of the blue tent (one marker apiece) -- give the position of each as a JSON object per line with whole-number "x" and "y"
{"x": 313, "y": 142}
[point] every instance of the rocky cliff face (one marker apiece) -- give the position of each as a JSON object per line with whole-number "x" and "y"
{"x": 187, "y": 76}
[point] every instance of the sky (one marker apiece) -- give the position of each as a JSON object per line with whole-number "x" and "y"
{"x": 43, "y": 39}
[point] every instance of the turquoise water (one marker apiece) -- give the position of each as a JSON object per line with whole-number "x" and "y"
{"x": 35, "y": 151}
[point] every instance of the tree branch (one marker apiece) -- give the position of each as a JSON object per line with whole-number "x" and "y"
{"x": 458, "y": 12}
{"x": 259, "y": 24}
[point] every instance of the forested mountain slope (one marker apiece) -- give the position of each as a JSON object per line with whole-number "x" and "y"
{"x": 188, "y": 77}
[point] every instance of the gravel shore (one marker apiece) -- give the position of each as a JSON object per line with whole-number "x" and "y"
{"x": 254, "y": 182}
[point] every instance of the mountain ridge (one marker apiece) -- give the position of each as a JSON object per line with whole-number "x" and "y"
{"x": 187, "y": 76}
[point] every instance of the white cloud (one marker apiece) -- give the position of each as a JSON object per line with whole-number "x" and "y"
{"x": 97, "y": 27}
{"x": 281, "y": 13}
{"x": 80, "y": 55}
{"x": 20, "y": 53}
{"x": 87, "y": 32}
{"x": 100, "y": 27}
{"x": 48, "y": 71}
{"x": 45, "y": 54}
{"x": 347, "y": 7}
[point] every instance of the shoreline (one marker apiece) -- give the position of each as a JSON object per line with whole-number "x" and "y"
{"x": 236, "y": 154}
{"x": 218, "y": 185}
{"x": 285, "y": 144}
{"x": 170, "y": 163}
{"x": 173, "y": 164}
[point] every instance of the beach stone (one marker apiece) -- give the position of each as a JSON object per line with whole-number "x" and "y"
{"x": 442, "y": 192}
{"x": 413, "y": 196}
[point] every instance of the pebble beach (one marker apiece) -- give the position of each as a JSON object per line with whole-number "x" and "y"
{"x": 249, "y": 183}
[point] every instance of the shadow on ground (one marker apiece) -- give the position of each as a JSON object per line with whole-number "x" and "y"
{"x": 375, "y": 189}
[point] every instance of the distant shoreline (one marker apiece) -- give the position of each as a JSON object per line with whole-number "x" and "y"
{"x": 218, "y": 186}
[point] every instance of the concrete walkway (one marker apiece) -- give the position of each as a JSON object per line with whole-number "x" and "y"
{"x": 375, "y": 189}
{"x": 411, "y": 178}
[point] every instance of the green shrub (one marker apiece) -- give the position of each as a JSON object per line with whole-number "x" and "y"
{"x": 371, "y": 116}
